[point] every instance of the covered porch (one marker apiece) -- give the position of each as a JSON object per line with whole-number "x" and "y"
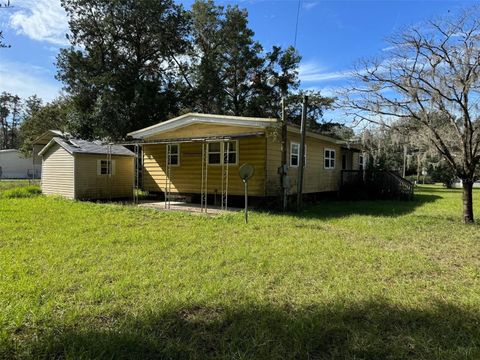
{"x": 203, "y": 170}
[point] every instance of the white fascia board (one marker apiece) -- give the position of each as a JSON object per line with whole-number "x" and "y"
{"x": 49, "y": 145}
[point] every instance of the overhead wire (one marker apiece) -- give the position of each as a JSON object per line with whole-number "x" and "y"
{"x": 296, "y": 24}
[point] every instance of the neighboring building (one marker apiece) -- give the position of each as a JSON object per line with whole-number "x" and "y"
{"x": 459, "y": 184}
{"x": 13, "y": 165}
{"x": 199, "y": 143}
{"x": 79, "y": 169}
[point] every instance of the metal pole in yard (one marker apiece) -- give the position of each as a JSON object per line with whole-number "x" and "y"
{"x": 206, "y": 178}
{"x": 203, "y": 175}
{"x": 226, "y": 177}
{"x": 245, "y": 184}
{"x": 167, "y": 175}
{"x": 136, "y": 180}
{"x": 301, "y": 160}
{"x": 134, "y": 187}
{"x": 222, "y": 159}
{"x": 33, "y": 165}
{"x": 109, "y": 166}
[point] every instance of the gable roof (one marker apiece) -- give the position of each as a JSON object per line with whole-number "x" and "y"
{"x": 79, "y": 146}
{"x": 197, "y": 118}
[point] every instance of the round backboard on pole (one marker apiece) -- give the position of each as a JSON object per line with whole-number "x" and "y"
{"x": 246, "y": 171}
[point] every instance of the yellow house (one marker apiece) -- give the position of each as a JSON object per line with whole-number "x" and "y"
{"x": 201, "y": 153}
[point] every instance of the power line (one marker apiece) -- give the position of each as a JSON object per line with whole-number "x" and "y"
{"x": 296, "y": 24}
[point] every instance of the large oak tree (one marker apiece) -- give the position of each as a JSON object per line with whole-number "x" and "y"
{"x": 121, "y": 67}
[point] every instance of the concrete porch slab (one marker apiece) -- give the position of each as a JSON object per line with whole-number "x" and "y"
{"x": 186, "y": 207}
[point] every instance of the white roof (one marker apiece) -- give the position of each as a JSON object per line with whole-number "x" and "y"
{"x": 197, "y": 118}
{"x": 9, "y": 150}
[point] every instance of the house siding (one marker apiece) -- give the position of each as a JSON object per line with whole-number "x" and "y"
{"x": 186, "y": 178}
{"x": 316, "y": 177}
{"x": 274, "y": 160}
{"x": 58, "y": 172}
{"x": 90, "y": 185}
{"x": 263, "y": 152}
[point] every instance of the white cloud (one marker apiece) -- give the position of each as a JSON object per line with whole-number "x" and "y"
{"x": 26, "y": 79}
{"x": 389, "y": 48}
{"x": 313, "y": 72}
{"x": 41, "y": 20}
{"x": 309, "y": 5}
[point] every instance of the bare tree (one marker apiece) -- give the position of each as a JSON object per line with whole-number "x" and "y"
{"x": 430, "y": 81}
{"x": 4, "y": 5}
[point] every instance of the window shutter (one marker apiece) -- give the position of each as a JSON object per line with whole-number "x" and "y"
{"x": 113, "y": 167}
{"x": 99, "y": 167}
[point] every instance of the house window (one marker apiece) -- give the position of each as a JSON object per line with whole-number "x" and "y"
{"x": 344, "y": 162}
{"x": 295, "y": 154}
{"x": 214, "y": 152}
{"x": 230, "y": 148}
{"x": 360, "y": 162}
{"x": 329, "y": 159}
{"x": 105, "y": 167}
{"x": 174, "y": 157}
{"x": 216, "y": 149}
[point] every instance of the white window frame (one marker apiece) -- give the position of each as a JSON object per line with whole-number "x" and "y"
{"x": 330, "y": 158}
{"x": 223, "y": 150}
{"x": 99, "y": 167}
{"x": 178, "y": 155}
{"x": 219, "y": 152}
{"x": 292, "y": 154}
{"x": 298, "y": 155}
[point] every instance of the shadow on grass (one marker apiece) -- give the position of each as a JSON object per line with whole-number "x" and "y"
{"x": 371, "y": 330}
{"x": 389, "y": 208}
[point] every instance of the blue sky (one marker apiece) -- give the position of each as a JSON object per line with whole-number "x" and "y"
{"x": 332, "y": 36}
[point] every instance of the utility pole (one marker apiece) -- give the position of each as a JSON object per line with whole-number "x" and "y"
{"x": 283, "y": 170}
{"x": 301, "y": 160}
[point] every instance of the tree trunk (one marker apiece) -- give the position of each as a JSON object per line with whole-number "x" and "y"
{"x": 467, "y": 201}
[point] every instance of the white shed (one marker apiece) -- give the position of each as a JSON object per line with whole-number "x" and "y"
{"x": 13, "y": 165}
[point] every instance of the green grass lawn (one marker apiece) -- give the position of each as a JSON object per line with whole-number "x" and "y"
{"x": 11, "y": 184}
{"x": 341, "y": 280}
